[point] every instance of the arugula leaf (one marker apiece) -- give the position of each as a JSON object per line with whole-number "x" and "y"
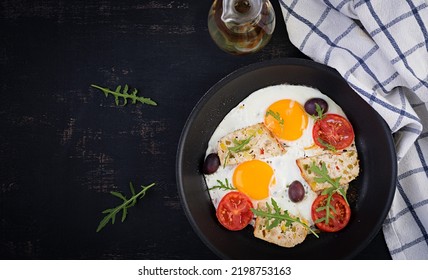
{"x": 335, "y": 188}
{"x": 223, "y": 186}
{"x": 327, "y": 145}
{"x": 277, "y": 117}
{"x": 343, "y": 194}
{"x": 240, "y": 145}
{"x": 324, "y": 177}
{"x": 275, "y": 216}
{"x": 319, "y": 110}
{"x": 127, "y": 203}
{"x": 125, "y": 95}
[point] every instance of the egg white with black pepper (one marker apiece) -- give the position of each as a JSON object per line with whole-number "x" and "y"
{"x": 281, "y": 110}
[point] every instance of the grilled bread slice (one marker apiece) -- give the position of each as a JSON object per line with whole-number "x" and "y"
{"x": 342, "y": 164}
{"x": 252, "y": 142}
{"x": 282, "y": 235}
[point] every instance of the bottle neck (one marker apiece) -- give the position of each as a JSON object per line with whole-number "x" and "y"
{"x": 241, "y": 12}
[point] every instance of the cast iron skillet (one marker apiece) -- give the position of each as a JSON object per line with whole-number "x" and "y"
{"x": 372, "y": 191}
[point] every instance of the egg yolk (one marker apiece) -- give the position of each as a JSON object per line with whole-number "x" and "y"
{"x": 253, "y": 178}
{"x": 286, "y": 119}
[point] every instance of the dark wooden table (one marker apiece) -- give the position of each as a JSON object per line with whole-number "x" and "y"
{"x": 64, "y": 146}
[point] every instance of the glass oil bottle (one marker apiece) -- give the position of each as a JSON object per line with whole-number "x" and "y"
{"x": 241, "y": 26}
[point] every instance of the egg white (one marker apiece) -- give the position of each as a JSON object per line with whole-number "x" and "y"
{"x": 252, "y": 111}
{"x": 285, "y": 171}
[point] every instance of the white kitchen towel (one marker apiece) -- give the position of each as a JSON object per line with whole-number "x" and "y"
{"x": 381, "y": 48}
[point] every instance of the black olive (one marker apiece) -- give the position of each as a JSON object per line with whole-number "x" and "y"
{"x": 311, "y": 108}
{"x": 211, "y": 164}
{"x": 296, "y": 191}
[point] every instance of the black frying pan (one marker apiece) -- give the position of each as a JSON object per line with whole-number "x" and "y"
{"x": 372, "y": 192}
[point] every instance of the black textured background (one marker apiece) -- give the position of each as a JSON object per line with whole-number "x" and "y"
{"x": 64, "y": 146}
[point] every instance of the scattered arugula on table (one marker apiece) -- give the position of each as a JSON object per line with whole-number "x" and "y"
{"x": 275, "y": 216}
{"x": 125, "y": 95}
{"x": 127, "y": 203}
{"x": 223, "y": 186}
{"x": 335, "y": 188}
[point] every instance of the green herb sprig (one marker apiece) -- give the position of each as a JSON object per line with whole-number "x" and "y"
{"x": 240, "y": 146}
{"x": 335, "y": 188}
{"x": 125, "y": 95}
{"x": 277, "y": 117}
{"x": 275, "y": 216}
{"x": 326, "y": 145}
{"x": 223, "y": 186}
{"x": 320, "y": 112}
{"x": 127, "y": 203}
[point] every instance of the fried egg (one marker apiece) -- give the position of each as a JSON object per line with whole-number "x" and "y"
{"x": 281, "y": 109}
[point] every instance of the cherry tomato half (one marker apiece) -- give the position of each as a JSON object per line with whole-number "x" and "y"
{"x": 340, "y": 217}
{"x": 333, "y": 130}
{"x": 234, "y": 211}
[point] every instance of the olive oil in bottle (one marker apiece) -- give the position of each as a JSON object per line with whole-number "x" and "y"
{"x": 241, "y": 26}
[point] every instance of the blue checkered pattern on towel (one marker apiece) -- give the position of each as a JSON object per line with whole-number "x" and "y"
{"x": 381, "y": 49}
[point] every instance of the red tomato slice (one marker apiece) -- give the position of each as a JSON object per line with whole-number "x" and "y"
{"x": 234, "y": 211}
{"x": 333, "y": 130}
{"x": 341, "y": 215}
